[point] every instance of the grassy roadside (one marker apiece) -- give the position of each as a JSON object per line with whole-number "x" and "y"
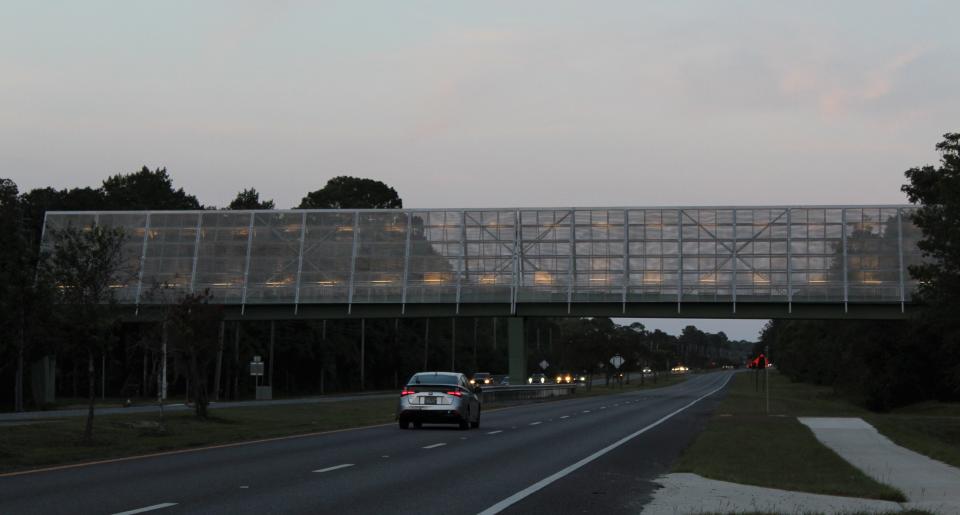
{"x": 744, "y": 445}
{"x": 930, "y": 428}
{"x": 57, "y": 441}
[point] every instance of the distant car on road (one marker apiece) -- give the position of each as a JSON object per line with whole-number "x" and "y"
{"x": 564, "y": 378}
{"x": 647, "y": 370}
{"x": 481, "y": 379}
{"x": 438, "y": 398}
{"x": 505, "y": 381}
{"x": 537, "y": 378}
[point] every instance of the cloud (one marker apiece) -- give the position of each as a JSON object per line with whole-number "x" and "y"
{"x": 839, "y": 87}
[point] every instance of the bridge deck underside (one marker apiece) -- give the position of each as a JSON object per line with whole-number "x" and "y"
{"x": 749, "y": 262}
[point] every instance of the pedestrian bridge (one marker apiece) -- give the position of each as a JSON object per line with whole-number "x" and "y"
{"x": 723, "y": 262}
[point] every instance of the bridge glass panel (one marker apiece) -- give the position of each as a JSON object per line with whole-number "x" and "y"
{"x": 435, "y": 250}
{"x": 490, "y": 237}
{"x": 221, "y": 264}
{"x": 274, "y": 258}
{"x": 653, "y": 253}
{"x": 545, "y": 250}
{"x": 816, "y": 250}
{"x": 912, "y": 254}
{"x": 598, "y": 255}
{"x": 327, "y": 257}
{"x": 170, "y": 251}
{"x": 379, "y": 272}
{"x": 127, "y": 277}
{"x": 873, "y": 260}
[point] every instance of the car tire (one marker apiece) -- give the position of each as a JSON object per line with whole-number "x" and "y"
{"x": 417, "y": 425}
{"x": 465, "y": 422}
{"x": 404, "y": 424}
{"x": 475, "y": 424}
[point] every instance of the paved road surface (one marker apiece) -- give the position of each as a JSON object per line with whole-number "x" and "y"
{"x": 541, "y": 458}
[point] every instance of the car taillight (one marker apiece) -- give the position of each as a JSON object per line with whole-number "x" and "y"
{"x": 404, "y": 393}
{"x": 455, "y": 393}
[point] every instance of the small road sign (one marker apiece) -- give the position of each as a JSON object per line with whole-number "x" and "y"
{"x": 544, "y": 365}
{"x": 616, "y": 361}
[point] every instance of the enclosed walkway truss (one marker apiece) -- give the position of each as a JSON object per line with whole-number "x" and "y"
{"x": 751, "y": 262}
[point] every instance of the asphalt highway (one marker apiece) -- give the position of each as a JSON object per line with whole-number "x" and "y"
{"x": 582, "y": 455}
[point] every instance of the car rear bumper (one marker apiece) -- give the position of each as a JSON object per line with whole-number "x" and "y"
{"x": 439, "y": 414}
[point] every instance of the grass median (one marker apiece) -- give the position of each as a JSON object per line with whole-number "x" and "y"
{"x": 53, "y": 442}
{"x": 743, "y": 444}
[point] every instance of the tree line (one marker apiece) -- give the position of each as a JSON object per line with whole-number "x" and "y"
{"x": 890, "y": 363}
{"x": 56, "y": 312}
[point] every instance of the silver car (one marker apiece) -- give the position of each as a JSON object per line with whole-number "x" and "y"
{"x": 439, "y": 398}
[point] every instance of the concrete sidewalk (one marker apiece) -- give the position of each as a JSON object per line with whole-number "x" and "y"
{"x": 927, "y": 483}
{"x": 684, "y": 493}
{"x": 177, "y": 407}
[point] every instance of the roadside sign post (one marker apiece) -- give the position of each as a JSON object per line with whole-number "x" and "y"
{"x": 256, "y": 370}
{"x": 617, "y": 361}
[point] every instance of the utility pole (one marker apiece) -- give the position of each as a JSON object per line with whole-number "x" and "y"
{"x": 426, "y": 343}
{"x": 163, "y": 373}
{"x": 103, "y": 376}
{"x": 476, "y": 324}
{"x": 363, "y": 344}
{"x": 236, "y": 361}
{"x": 766, "y": 374}
{"x": 270, "y": 372}
{"x": 219, "y": 370}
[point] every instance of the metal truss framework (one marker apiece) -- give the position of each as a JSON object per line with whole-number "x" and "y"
{"x": 811, "y": 255}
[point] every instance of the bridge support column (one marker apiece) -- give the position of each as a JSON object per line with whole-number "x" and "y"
{"x": 517, "y": 350}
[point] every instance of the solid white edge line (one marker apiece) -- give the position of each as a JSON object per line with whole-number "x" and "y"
{"x": 335, "y": 467}
{"x": 434, "y": 446}
{"x": 522, "y": 494}
{"x": 147, "y": 508}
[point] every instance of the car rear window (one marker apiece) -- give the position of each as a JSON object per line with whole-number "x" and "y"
{"x": 433, "y": 379}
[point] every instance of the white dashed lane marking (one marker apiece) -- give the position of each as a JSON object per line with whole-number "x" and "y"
{"x": 565, "y": 416}
{"x": 335, "y": 467}
{"x": 495, "y": 432}
{"x": 147, "y": 508}
{"x": 586, "y": 411}
{"x": 535, "y": 423}
{"x": 434, "y": 446}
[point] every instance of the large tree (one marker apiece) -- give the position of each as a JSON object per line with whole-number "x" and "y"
{"x": 84, "y": 263}
{"x": 25, "y": 295}
{"x": 345, "y": 192}
{"x": 11, "y": 248}
{"x": 250, "y": 199}
{"x": 146, "y": 189}
{"x": 196, "y": 325}
{"x": 937, "y": 191}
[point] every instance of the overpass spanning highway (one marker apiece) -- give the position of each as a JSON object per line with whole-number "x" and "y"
{"x": 592, "y": 454}
{"x": 692, "y": 262}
